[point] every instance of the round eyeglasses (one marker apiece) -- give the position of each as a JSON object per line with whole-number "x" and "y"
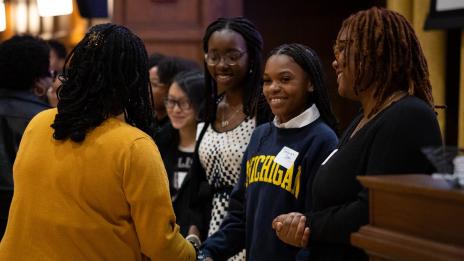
{"x": 230, "y": 58}
{"x": 182, "y": 104}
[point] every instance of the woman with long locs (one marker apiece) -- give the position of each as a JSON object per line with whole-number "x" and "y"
{"x": 379, "y": 63}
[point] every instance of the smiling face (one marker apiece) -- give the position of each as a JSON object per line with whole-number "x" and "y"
{"x": 286, "y": 87}
{"x": 180, "y": 117}
{"x": 229, "y": 46}
{"x": 344, "y": 69}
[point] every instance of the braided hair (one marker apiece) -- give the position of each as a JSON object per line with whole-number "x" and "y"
{"x": 308, "y": 60}
{"x": 387, "y": 55}
{"x": 106, "y": 76}
{"x": 252, "y": 91}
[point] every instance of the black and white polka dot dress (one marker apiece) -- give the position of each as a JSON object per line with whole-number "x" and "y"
{"x": 221, "y": 155}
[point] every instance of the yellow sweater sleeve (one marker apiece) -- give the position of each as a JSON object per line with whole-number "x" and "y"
{"x": 147, "y": 191}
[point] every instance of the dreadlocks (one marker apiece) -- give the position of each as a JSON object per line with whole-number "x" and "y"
{"x": 387, "y": 55}
{"x": 107, "y": 75}
{"x": 308, "y": 60}
{"x": 252, "y": 93}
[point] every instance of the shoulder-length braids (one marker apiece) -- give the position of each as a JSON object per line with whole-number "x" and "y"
{"x": 253, "y": 97}
{"x": 106, "y": 76}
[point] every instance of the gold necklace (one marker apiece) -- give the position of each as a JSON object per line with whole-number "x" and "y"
{"x": 225, "y": 122}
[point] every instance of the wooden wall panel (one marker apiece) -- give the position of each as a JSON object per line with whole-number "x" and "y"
{"x": 173, "y": 27}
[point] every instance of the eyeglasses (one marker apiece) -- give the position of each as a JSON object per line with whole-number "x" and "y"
{"x": 231, "y": 58}
{"x": 182, "y": 104}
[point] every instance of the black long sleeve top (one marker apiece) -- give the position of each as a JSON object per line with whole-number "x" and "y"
{"x": 390, "y": 143}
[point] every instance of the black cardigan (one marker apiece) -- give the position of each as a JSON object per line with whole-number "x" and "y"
{"x": 167, "y": 140}
{"x": 390, "y": 143}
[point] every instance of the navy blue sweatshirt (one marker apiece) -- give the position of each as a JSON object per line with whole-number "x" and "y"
{"x": 267, "y": 189}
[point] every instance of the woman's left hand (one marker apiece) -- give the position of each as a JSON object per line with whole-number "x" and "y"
{"x": 290, "y": 228}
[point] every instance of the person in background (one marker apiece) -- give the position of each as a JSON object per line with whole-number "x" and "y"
{"x": 52, "y": 92}
{"x": 234, "y": 107}
{"x": 57, "y": 61}
{"x": 271, "y": 183}
{"x": 176, "y": 141}
{"x": 24, "y": 80}
{"x": 379, "y": 63}
{"x": 153, "y": 60}
{"x": 58, "y": 55}
{"x": 89, "y": 181}
{"x": 158, "y": 92}
{"x": 167, "y": 69}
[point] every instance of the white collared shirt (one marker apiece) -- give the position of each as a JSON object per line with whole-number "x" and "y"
{"x": 308, "y": 116}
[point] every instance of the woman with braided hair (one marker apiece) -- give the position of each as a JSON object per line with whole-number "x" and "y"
{"x": 281, "y": 159}
{"x": 234, "y": 107}
{"x": 89, "y": 181}
{"x": 379, "y": 63}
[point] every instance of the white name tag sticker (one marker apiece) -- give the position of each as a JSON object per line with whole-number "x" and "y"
{"x": 286, "y": 157}
{"x": 330, "y": 156}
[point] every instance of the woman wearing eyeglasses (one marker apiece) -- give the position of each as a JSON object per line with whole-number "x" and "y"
{"x": 233, "y": 71}
{"x": 176, "y": 141}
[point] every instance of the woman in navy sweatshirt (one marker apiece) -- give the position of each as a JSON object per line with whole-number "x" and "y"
{"x": 280, "y": 161}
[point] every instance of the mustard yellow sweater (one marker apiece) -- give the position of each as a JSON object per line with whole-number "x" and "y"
{"x": 106, "y": 198}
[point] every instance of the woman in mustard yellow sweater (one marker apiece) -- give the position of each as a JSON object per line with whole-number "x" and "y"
{"x": 89, "y": 180}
